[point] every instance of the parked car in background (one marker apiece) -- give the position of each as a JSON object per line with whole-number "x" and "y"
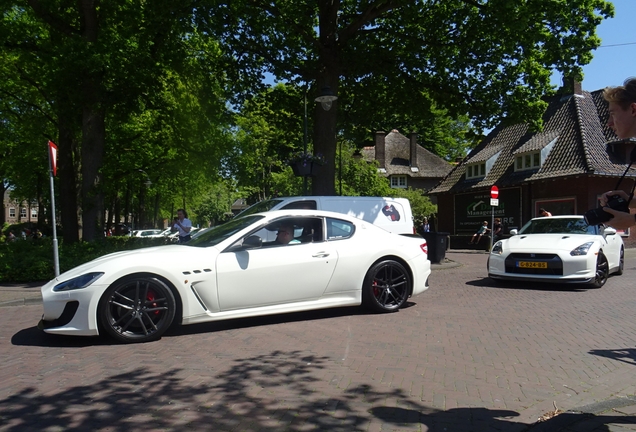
{"x": 146, "y": 233}
{"x": 228, "y": 272}
{"x": 563, "y": 249}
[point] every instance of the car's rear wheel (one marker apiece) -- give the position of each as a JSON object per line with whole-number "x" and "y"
{"x": 621, "y": 262}
{"x": 386, "y": 286}
{"x": 138, "y": 309}
{"x": 602, "y": 271}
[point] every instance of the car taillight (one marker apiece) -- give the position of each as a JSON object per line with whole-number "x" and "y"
{"x": 424, "y": 248}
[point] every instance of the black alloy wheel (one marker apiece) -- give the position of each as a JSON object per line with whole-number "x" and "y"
{"x": 138, "y": 309}
{"x": 602, "y": 271}
{"x": 386, "y": 286}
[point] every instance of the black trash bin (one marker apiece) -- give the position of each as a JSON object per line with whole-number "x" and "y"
{"x": 437, "y": 243}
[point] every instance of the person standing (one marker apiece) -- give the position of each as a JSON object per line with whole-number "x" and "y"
{"x": 183, "y": 225}
{"x": 622, "y": 120}
{"x": 426, "y": 227}
{"x": 497, "y": 230}
{"x": 544, "y": 213}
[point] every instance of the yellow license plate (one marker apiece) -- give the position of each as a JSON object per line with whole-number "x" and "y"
{"x": 532, "y": 264}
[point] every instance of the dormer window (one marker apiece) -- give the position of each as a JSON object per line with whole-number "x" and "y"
{"x": 476, "y": 170}
{"x": 528, "y": 161}
{"x": 532, "y": 154}
{"x": 398, "y": 182}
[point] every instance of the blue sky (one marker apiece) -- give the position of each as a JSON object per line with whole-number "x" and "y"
{"x": 615, "y": 59}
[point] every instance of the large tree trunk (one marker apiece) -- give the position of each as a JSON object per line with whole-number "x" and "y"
{"x": 93, "y": 132}
{"x": 328, "y": 76}
{"x": 68, "y": 181}
{"x": 93, "y": 139}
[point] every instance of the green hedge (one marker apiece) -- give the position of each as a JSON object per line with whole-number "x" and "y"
{"x": 32, "y": 260}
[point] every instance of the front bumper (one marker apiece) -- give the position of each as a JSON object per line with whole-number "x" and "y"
{"x": 559, "y": 267}
{"x": 70, "y": 312}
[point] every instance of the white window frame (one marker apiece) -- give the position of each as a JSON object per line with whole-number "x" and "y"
{"x": 398, "y": 182}
{"x": 476, "y": 170}
{"x": 23, "y": 212}
{"x": 34, "y": 212}
{"x": 12, "y": 212}
{"x": 528, "y": 161}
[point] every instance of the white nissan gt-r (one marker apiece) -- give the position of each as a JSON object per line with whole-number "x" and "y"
{"x": 562, "y": 249}
{"x": 230, "y": 271}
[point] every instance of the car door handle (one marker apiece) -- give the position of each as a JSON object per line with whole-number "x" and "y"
{"x": 321, "y": 255}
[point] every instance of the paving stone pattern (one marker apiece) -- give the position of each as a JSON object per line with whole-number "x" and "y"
{"x": 467, "y": 355}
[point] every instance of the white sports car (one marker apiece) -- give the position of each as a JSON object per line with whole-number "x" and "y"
{"x": 563, "y": 249}
{"x": 230, "y": 272}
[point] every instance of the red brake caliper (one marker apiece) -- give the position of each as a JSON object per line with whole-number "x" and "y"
{"x": 376, "y": 290}
{"x": 151, "y": 298}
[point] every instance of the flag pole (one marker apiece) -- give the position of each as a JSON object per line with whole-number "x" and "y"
{"x": 52, "y": 172}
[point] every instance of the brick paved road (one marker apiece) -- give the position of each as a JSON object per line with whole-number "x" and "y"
{"x": 466, "y": 355}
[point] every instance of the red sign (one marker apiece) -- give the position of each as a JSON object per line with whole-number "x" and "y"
{"x": 494, "y": 192}
{"x": 53, "y": 157}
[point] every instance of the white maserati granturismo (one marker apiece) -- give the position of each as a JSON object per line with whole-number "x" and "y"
{"x": 235, "y": 271}
{"x": 562, "y": 249}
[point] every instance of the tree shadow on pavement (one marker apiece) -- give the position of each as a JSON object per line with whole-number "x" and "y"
{"x": 625, "y": 355}
{"x": 281, "y": 390}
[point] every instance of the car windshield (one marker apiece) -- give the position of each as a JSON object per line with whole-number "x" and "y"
{"x": 216, "y": 235}
{"x": 558, "y": 226}
{"x": 259, "y": 207}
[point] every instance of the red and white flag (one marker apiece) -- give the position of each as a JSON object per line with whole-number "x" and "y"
{"x": 53, "y": 157}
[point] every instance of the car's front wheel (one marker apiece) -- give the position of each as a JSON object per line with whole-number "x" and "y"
{"x": 602, "y": 270}
{"x": 138, "y": 309}
{"x": 386, "y": 286}
{"x": 621, "y": 262}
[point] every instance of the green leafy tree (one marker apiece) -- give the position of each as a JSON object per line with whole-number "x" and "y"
{"x": 127, "y": 88}
{"x": 485, "y": 59}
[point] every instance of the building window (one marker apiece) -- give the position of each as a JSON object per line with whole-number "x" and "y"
{"x": 398, "y": 182}
{"x": 34, "y": 213}
{"x": 12, "y": 212}
{"x": 23, "y": 212}
{"x": 476, "y": 170}
{"x": 528, "y": 161}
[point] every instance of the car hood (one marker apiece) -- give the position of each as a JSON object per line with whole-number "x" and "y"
{"x": 157, "y": 257}
{"x": 549, "y": 242}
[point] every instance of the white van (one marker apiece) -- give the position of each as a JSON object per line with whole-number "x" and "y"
{"x": 392, "y": 214}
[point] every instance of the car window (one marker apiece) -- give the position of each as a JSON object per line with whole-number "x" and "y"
{"x": 304, "y": 229}
{"x": 558, "y": 226}
{"x": 216, "y": 235}
{"x": 338, "y": 229}
{"x": 260, "y": 207}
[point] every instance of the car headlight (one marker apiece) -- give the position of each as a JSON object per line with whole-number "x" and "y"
{"x": 78, "y": 282}
{"x": 497, "y": 248}
{"x": 582, "y": 250}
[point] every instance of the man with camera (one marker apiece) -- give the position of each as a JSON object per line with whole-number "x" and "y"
{"x": 183, "y": 225}
{"x": 622, "y": 120}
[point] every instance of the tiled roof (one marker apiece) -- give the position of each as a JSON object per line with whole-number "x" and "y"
{"x": 537, "y": 142}
{"x": 397, "y": 153}
{"x": 578, "y": 122}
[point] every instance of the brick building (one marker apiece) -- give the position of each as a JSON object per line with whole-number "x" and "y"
{"x": 564, "y": 168}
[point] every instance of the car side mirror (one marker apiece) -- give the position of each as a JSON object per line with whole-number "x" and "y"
{"x": 609, "y": 231}
{"x": 514, "y": 232}
{"x": 252, "y": 242}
